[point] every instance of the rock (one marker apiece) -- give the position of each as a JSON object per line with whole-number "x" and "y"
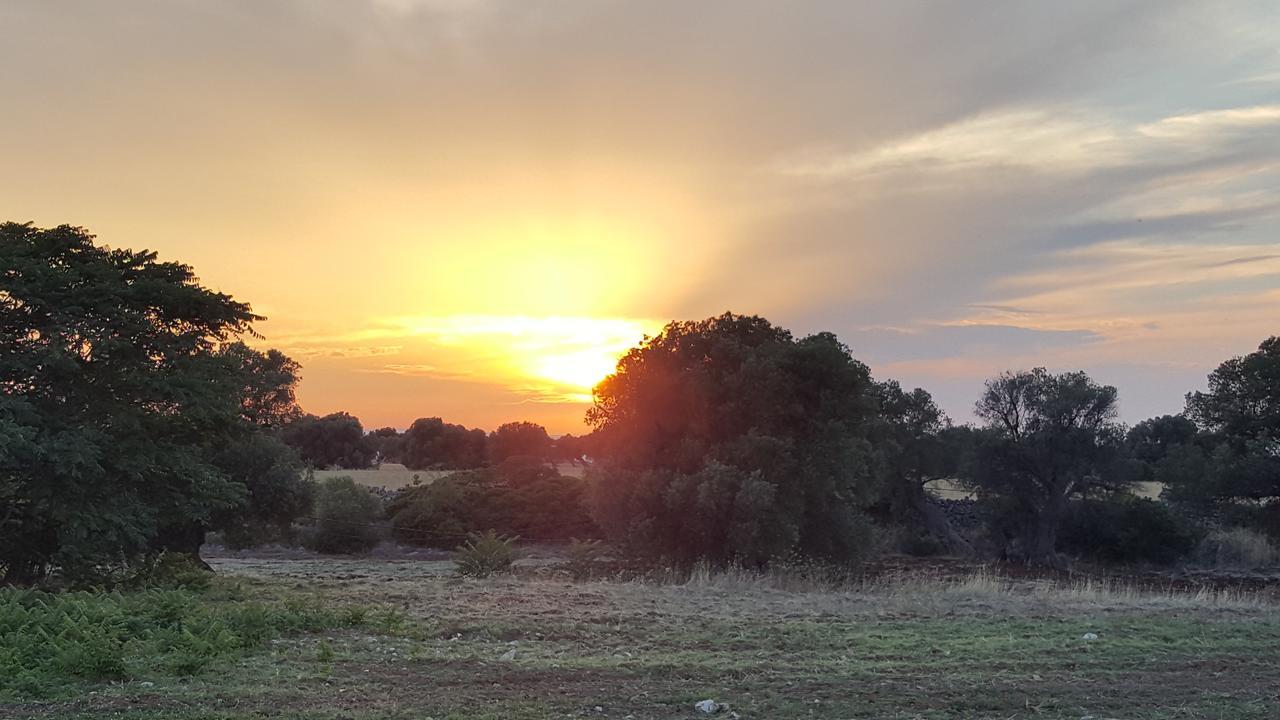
{"x": 509, "y": 655}
{"x": 1090, "y": 636}
{"x": 146, "y": 683}
{"x": 709, "y": 707}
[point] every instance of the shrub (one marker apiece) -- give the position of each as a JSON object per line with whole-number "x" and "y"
{"x": 485, "y": 554}
{"x": 584, "y": 558}
{"x": 1237, "y": 548}
{"x": 1126, "y": 530}
{"x": 346, "y": 515}
{"x": 51, "y": 641}
{"x": 534, "y": 503}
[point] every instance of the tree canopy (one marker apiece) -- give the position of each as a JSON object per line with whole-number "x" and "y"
{"x": 336, "y": 440}
{"x": 516, "y": 439}
{"x": 1048, "y": 438}
{"x": 729, "y": 440}
{"x": 434, "y": 443}
{"x": 121, "y": 380}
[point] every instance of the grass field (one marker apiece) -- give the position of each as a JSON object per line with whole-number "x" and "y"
{"x": 539, "y": 646}
{"x": 394, "y": 476}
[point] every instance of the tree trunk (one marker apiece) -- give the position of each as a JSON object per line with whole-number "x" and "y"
{"x": 183, "y": 539}
{"x": 1042, "y": 546}
{"x": 936, "y": 522}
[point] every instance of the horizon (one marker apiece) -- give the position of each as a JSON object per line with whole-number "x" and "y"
{"x": 467, "y": 209}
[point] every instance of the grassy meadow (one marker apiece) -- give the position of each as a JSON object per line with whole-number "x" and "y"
{"x": 362, "y": 639}
{"x": 394, "y": 476}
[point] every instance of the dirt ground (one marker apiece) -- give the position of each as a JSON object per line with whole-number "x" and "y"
{"x": 906, "y": 644}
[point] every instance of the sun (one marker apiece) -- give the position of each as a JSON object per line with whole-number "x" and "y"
{"x": 547, "y": 359}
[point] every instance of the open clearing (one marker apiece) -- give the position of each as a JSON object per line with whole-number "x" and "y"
{"x": 539, "y": 646}
{"x": 394, "y": 476}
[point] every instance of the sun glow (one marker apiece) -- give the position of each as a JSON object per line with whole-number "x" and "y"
{"x": 550, "y": 359}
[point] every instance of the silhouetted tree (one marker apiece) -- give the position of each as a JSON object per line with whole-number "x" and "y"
{"x": 519, "y": 439}
{"x": 433, "y": 443}
{"x": 119, "y": 385}
{"x": 387, "y": 444}
{"x": 916, "y": 445}
{"x": 729, "y": 440}
{"x": 1048, "y": 438}
{"x": 335, "y": 440}
{"x": 1233, "y": 464}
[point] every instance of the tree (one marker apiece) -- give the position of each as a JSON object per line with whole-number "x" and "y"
{"x": 433, "y": 443}
{"x": 1048, "y": 438}
{"x": 118, "y": 381}
{"x": 345, "y": 517}
{"x": 1233, "y": 463}
{"x": 335, "y": 440}
{"x": 916, "y": 445}
{"x": 728, "y": 440}
{"x": 387, "y": 444}
{"x": 519, "y": 439}
{"x": 277, "y": 492}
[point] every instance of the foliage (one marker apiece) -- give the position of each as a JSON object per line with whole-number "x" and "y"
{"x": 536, "y": 503}
{"x": 48, "y": 642}
{"x": 485, "y": 554}
{"x": 730, "y": 441}
{"x": 1048, "y": 439}
{"x": 916, "y": 444}
{"x": 387, "y": 444}
{"x": 335, "y": 440}
{"x": 120, "y": 379}
{"x": 278, "y": 491}
{"x": 1238, "y": 547}
{"x": 1126, "y": 530}
{"x": 431, "y": 443}
{"x": 1232, "y": 466}
{"x": 519, "y": 439}
{"x": 346, "y": 515}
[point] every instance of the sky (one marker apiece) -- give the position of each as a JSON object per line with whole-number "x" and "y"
{"x": 469, "y": 208}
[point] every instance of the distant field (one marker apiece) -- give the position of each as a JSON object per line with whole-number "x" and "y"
{"x": 394, "y": 476}
{"x": 539, "y": 646}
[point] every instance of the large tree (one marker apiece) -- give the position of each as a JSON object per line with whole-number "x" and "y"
{"x": 1048, "y": 439}
{"x": 433, "y": 443}
{"x": 336, "y": 440}
{"x": 729, "y": 440}
{"x": 120, "y": 381}
{"x": 916, "y": 445}
{"x": 1233, "y": 464}
{"x": 515, "y": 439}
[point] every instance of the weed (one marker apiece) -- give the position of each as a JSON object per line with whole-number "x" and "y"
{"x": 485, "y": 554}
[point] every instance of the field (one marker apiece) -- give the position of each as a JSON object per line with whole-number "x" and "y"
{"x": 537, "y": 645}
{"x": 393, "y": 476}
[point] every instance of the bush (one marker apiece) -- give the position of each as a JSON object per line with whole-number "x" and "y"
{"x": 485, "y": 554}
{"x": 1237, "y": 548}
{"x": 1126, "y": 530}
{"x": 346, "y": 516}
{"x": 534, "y": 503}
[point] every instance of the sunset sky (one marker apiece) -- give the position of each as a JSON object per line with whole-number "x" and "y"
{"x": 468, "y": 208}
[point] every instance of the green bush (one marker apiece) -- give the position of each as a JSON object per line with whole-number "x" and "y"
{"x": 50, "y": 642}
{"x": 1126, "y": 530}
{"x": 485, "y": 554}
{"x": 346, "y": 517}
{"x": 536, "y": 503}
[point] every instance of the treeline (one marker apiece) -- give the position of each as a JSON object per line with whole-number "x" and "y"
{"x": 133, "y": 422}
{"x": 339, "y": 441}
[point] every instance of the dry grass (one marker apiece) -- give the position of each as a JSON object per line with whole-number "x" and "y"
{"x": 1238, "y": 548}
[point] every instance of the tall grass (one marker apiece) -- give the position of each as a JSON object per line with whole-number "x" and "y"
{"x": 49, "y": 641}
